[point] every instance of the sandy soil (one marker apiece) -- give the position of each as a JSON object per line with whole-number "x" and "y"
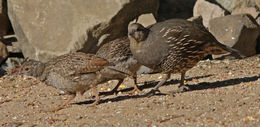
{"x": 225, "y": 93}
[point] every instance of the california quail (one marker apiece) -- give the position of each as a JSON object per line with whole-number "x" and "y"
{"x": 173, "y": 46}
{"x": 72, "y": 73}
{"x": 118, "y": 52}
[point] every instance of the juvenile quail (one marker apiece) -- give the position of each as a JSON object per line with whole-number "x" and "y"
{"x": 173, "y": 46}
{"x": 73, "y": 73}
{"x": 118, "y": 52}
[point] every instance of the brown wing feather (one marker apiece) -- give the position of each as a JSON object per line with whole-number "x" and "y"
{"x": 77, "y": 63}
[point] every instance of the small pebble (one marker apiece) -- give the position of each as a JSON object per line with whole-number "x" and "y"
{"x": 78, "y": 117}
{"x": 62, "y": 92}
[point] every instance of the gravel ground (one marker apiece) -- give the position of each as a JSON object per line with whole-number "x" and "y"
{"x": 226, "y": 93}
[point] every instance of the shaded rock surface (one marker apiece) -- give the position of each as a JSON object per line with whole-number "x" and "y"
{"x": 207, "y": 10}
{"x": 3, "y": 52}
{"x": 237, "y": 31}
{"x": 230, "y": 5}
{"x": 4, "y": 21}
{"x": 175, "y": 9}
{"x": 197, "y": 19}
{"x": 247, "y": 10}
{"x": 49, "y": 28}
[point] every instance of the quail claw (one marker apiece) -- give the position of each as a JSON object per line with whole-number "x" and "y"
{"x": 184, "y": 88}
{"x": 181, "y": 89}
{"x": 152, "y": 92}
{"x": 134, "y": 91}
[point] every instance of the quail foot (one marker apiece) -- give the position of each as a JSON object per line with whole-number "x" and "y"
{"x": 73, "y": 73}
{"x": 173, "y": 46}
{"x": 118, "y": 52}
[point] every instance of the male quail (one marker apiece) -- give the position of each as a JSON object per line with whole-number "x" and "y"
{"x": 118, "y": 52}
{"x": 173, "y": 46}
{"x": 73, "y": 73}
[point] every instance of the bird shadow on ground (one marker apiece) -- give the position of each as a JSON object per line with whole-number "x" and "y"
{"x": 151, "y": 84}
{"x": 224, "y": 83}
{"x": 199, "y": 86}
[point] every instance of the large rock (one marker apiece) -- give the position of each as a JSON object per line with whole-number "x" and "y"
{"x": 197, "y": 19}
{"x": 48, "y": 28}
{"x": 3, "y": 52}
{"x": 237, "y": 31}
{"x": 145, "y": 20}
{"x": 175, "y": 9}
{"x": 230, "y": 5}
{"x": 246, "y": 10}
{"x": 4, "y": 21}
{"x": 257, "y": 2}
{"x": 207, "y": 10}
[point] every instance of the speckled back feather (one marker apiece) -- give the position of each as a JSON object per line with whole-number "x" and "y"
{"x": 115, "y": 51}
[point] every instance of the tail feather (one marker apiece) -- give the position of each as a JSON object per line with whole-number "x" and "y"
{"x": 122, "y": 70}
{"x": 218, "y": 48}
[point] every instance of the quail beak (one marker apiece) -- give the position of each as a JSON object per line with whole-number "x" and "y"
{"x": 131, "y": 34}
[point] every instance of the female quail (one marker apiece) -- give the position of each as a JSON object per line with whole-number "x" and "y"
{"x": 118, "y": 52}
{"x": 173, "y": 46}
{"x": 73, "y": 73}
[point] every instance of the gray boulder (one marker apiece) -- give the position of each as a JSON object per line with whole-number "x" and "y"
{"x": 49, "y": 28}
{"x": 246, "y": 10}
{"x": 237, "y": 31}
{"x": 207, "y": 11}
{"x": 230, "y": 5}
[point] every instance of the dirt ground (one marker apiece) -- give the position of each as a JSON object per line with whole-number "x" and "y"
{"x": 225, "y": 93}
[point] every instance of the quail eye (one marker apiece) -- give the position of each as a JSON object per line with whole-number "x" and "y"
{"x": 26, "y": 69}
{"x": 138, "y": 29}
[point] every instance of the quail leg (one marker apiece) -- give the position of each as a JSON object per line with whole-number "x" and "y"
{"x": 136, "y": 89}
{"x": 97, "y": 98}
{"x": 65, "y": 103}
{"x": 156, "y": 88}
{"x": 114, "y": 91}
{"x": 182, "y": 86}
